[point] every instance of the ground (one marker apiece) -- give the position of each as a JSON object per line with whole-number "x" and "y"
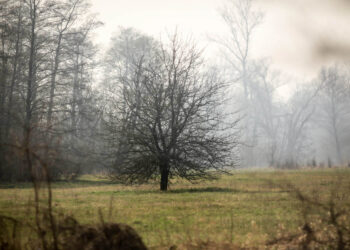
{"x": 247, "y": 208}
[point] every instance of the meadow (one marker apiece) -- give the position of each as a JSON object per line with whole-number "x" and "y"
{"x": 245, "y": 209}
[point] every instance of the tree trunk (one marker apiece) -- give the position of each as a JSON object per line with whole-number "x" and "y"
{"x": 337, "y": 145}
{"x": 75, "y": 97}
{"x": 2, "y": 103}
{"x": 14, "y": 77}
{"x": 164, "y": 177}
{"x": 53, "y": 81}
{"x": 30, "y": 84}
{"x": 3, "y": 79}
{"x": 335, "y": 130}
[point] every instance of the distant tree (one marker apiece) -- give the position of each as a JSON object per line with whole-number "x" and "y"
{"x": 334, "y": 109}
{"x": 266, "y": 112}
{"x": 169, "y": 118}
{"x": 127, "y": 47}
{"x": 241, "y": 21}
{"x": 297, "y": 118}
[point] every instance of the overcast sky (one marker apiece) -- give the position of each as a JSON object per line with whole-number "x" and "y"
{"x": 298, "y": 35}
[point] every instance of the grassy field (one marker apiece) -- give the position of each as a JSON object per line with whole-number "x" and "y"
{"x": 247, "y": 208}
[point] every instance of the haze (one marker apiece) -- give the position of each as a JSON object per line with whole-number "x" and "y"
{"x": 174, "y": 124}
{"x": 298, "y": 36}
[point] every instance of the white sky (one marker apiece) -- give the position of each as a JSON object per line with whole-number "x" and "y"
{"x": 299, "y": 36}
{"x": 153, "y": 17}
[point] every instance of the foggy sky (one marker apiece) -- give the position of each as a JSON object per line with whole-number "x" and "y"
{"x": 298, "y": 35}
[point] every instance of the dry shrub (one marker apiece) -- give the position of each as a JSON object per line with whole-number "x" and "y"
{"x": 71, "y": 235}
{"x": 52, "y": 231}
{"x": 108, "y": 236}
{"x": 325, "y": 220}
{"x": 9, "y": 233}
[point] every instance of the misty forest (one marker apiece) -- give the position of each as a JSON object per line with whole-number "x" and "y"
{"x": 114, "y": 136}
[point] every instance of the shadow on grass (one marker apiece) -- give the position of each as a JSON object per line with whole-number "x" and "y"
{"x": 172, "y": 191}
{"x": 204, "y": 190}
{"x": 82, "y": 183}
{"x": 103, "y": 182}
{"x": 58, "y": 184}
{"x": 221, "y": 190}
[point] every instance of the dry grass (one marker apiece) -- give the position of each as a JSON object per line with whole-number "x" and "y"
{"x": 248, "y": 208}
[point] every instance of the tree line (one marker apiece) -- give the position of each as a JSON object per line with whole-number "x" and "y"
{"x": 309, "y": 128}
{"x": 157, "y": 112}
{"x": 151, "y": 108}
{"x": 47, "y": 104}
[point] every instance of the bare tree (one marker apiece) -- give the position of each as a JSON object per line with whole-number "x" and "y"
{"x": 169, "y": 118}
{"x": 266, "y": 111}
{"x": 38, "y": 14}
{"x": 67, "y": 14}
{"x": 297, "y": 124}
{"x": 334, "y": 109}
{"x": 241, "y": 20}
{"x": 37, "y": 53}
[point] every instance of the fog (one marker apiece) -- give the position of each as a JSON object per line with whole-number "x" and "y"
{"x": 299, "y": 37}
{"x": 110, "y": 86}
{"x": 174, "y": 124}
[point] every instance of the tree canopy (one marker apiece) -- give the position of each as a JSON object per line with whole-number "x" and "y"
{"x": 169, "y": 119}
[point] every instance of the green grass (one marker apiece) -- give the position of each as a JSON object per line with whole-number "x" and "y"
{"x": 248, "y": 207}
